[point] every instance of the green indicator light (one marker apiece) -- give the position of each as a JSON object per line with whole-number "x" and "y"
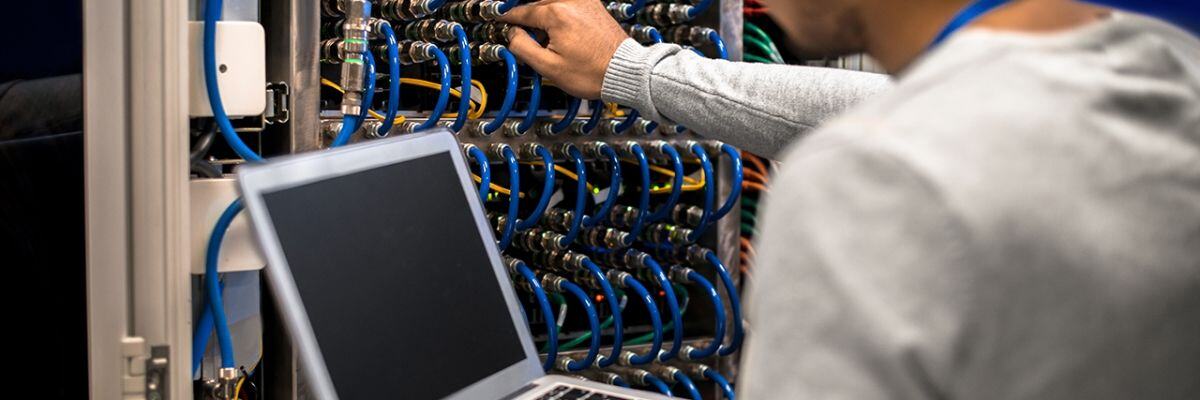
{"x": 353, "y": 40}
{"x": 595, "y": 190}
{"x": 354, "y": 60}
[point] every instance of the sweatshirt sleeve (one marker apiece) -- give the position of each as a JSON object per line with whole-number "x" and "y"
{"x": 758, "y": 107}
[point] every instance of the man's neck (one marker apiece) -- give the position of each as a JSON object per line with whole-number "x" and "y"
{"x": 900, "y": 31}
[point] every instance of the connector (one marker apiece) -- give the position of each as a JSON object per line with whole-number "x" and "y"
{"x": 355, "y": 30}
{"x": 529, "y": 151}
{"x": 472, "y": 11}
{"x": 511, "y": 128}
{"x": 609, "y": 127}
{"x": 552, "y": 282}
{"x": 431, "y": 30}
{"x": 561, "y": 260}
{"x": 695, "y": 370}
{"x": 226, "y": 383}
{"x": 620, "y": 11}
{"x": 623, "y": 216}
{"x": 617, "y": 277}
{"x": 601, "y": 376}
{"x": 476, "y": 128}
{"x": 577, "y": 129}
{"x": 684, "y": 34}
{"x": 632, "y": 375}
{"x": 665, "y": 372}
{"x": 687, "y": 215}
{"x": 604, "y": 237}
{"x": 680, "y": 273}
{"x": 665, "y": 14}
{"x": 537, "y": 239}
{"x": 546, "y": 129}
{"x": 594, "y": 149}
{"x": 497, "y": 149}
{"x": 641, "y": 33}
{"x": 644, "y": 127}
{"x": 662, "y": 233}
{"x": 495, "y": 32}
{"x": 416, "y": 52}
{"x": 499, "y": 221}
{"x": 405, "y": 10}
{"x": 696, "y": 254}
{"x": 558, "y": 219}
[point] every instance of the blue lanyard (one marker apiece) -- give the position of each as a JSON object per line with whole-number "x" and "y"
{"x": 972, "y": 12}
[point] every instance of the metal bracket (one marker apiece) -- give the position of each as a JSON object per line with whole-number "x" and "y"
{"x": 278, "y": 97}
{"x": 158, "y": 373}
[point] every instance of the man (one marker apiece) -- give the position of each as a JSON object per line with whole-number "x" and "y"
{"x": 1018, "y": 217}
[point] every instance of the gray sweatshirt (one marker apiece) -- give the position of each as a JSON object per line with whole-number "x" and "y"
{"x": 1019, "y": 217}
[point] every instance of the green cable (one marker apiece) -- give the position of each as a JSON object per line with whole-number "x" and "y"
{"x": 679, "y": 291}
{"x": 558, "y": 300}
{"x": 749, "y": 202}
{"x": 754, "y": 58}
{"x": 747, "y": 215}
{"x": 748, "y": 230}
{"x": 761, "y": 34}
{"x": 766, "y": 49}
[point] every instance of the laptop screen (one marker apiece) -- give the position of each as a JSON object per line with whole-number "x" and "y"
{"x": 396, "y": 281}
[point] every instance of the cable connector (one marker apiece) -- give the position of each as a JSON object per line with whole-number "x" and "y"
{"x": 604, "y": 237}
{"x": 226, "y": 383}
{"x": 561, "y": 260}
{"x": 687, "y": 215}
{"x": 695, "y": 370}
{"x": 623, "y": 216}
{"x": 600, "y": 376}
{"x": 495, "y": 32}
{"x": 511, "y": 128}
{"x": 529, "y": 151}
{"x": 416, "y": 52}
{"x": 473, "y": 11}
{"x": 617, "y": 277}
{"x": 577, "y": 129}
{"x": 431, "y": 30}
{"x": 665, "y": 14}
{"x": 693, "y": 35}
{"x": 405, "y": 10}
{"x": 355, "y": 30}
{"x": 665, "y": 372}
{"x": 643, "y": 34}
{"x": 644, "y": 127}
{"x": 497, "y": 149}
{"x": 609, "y": 127}
{"x": 558, "y": 219}
{"x": 620, "y": 11}
{"x": 632, "y": 375}
{"x": 696, "y": 254}
{"x": 680, "y": 273}
{"x": 595, "y": 149}
{"x": 552, "y": 282}
{"x": 663, "y": 233}
{"x": 537, "y": 239}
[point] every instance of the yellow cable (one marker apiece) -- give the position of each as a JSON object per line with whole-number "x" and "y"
{"x": 238, "y": 389}
{"x": 497, "y": 188}
{"x": 689, "y": 184}
{"x": 477, "y": 109}
{"x": 566, "y": 172}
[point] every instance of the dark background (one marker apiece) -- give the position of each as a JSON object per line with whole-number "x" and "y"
{"x": 41, "y": 195}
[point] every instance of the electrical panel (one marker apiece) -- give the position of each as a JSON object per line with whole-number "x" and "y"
{"x": 644, "y": 218}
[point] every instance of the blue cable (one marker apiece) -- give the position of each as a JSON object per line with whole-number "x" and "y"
{"x": 212, "y": 13}
{"x": 393, "y": 53}
{"x": 659, "y": 385}
{"x": 687, "y": 383}
{"x": 655, "y": 321}
{"x": 614, "y": 189}
{"x": 514, "y": 197}
{"x": 709, "y": 191}
{"x": 614, "y": 305}
{"x": 620, "y": 382}
{"x": 581, "y": 195}
{"x": 735, "y": 159}
{"x": 508, "y": 5}
{"x": 485, "y": 171}
{"x": 643, "y": 209}
{"x": 510, "y": 92}
{"x": 547, "y": 191}
{"x": 547, "y": 313}
{"x": 568, "y": 118}
{"x": 723, "y": 383}
{"x": 593, "y": 322}
{"x": 735, "y": 303}
{"x": 436, "y": 4}
{"x": 676, "y": 184}
{"x": 464, "y": 58}
{"x": 212, "y": 282}
{"x": 719, "y": 317}
{"x": 655, "y": 35}
{"x": 535, "y": 100}
{"x": 627, "y": 123}
{"x": 597, "y": 107}
{"x": 443, "y": 95}
{"x": 715, "y": 38}
{"x": 698, "y": 8}
{"x": 672, "y": 305}
{"x": 204, "y": 328}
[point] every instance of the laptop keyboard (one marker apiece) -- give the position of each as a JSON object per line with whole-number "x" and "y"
{"x": 561, "y": 392}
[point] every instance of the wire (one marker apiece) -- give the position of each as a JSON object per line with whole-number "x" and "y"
{"x": 597, "y": 108}
{"x": 709, "y": 192}
{"x": 735, "y": 158}
{"x": 603, "y": 325}
{"x": 485, "y": 171}
{"x": 464, "y": 59}
{"x": 614, "y": 189}
{"x": 715, "y": 38}
{"x": 659, "y": 385}
{"x": 752, "y": 174}
{"x": 754, "y": 186}
{"x": 735, "y": 303}
{"x": 765, "y": 48}
{"x": 351, "y": 123}
{"x": 758, "y": 164}
{"x": 581, "y": 195}
{"x": 547, "y": 314}
{"x": 477, "y": 109}
{"x": 757, "y": 59}
{"x": 212, "y": 283}
{"x": 664, "y": 211}
{"x": 212, "y": 13}
{"x": 444, "y": 95}
{"x": 393, "y": 55}
{"x": 547, "y": 192}
{"x": 682, "y": 378}
{"x": 668, "y": 289}
{"x": 510, "y": 93}
{"x": 627, "y": 123}
{"x": 722, "y": 383}
{"x": 655, "y": 321}
{"x": 611, "y": 297}
{"x": 568, "y": 118}
{"x": 593, "y": 322}
{"x": 643, "y": 209}
{"x": 514, "y": 183}
{"x": 719, "y": 317}
{"x": 620, "y": 382}
{"x": 698, "y": 8}
{"x": 237, "y": 390}
{"x": 535, "y": 99}
{"x": 204, "y": 328}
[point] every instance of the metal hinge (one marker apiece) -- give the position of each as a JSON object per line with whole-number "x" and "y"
{"x": 278, "y": 96}
{"x": 146, "y": 372}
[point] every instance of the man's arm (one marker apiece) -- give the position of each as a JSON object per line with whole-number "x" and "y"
{"x": 758, "y": 107}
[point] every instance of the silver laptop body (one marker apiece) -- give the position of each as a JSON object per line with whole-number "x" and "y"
{"x": 304, "y": 207}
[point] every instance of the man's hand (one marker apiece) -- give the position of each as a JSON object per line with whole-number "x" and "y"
{"x": 583, "y": 38}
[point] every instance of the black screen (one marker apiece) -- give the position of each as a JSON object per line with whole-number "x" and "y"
{"x": 395, "y": 278}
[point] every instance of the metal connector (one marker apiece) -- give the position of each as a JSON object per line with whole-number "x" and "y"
{"x": 416, "y": 52}
{"x": 576, "y": 129}
{"x": 695, "y": 370}
{"x": 355, "y": 30}
{"x": 623, "y": 216}
{"x": 564, "y": 150}
{"x": 632, "y": 375}
{"x": 552, "y": 282}
{"x": 487, "y": 53}
{"x": 609, "y": 127}
{"x": 561, "y": 260}
{"x": 601, "y": 376}
{"x": 680, "y": 273}
{"x": 512, "y": 128}
{"x": 558, "y": 219}
{"x": 472, "y": 11}
{"x": 594, "y": 149}
{"x": 663, "y": 233}
{"x": 476, "y": 128}
{"x": 666, "y": 372}
{"x": 495, "y": 32}
{"x": 696, "y": 254}
{"x": 687, "y": 215}
{"x": 665, "y": 14}
{"x": 226, "y": 383}
{"x": 537, "y": 239}
{"x": 497, "y": 149}
{"x": 620, "y": 11}
{"x": 641, "y": 33}
{"x": 617, "y": 277}
{"x": 684, "y": 34}
{"x": 431, "y": 30}
{"x": 644, "y": 127}
{"x": 529, "y": 151}
{"x": 605, "y": 237}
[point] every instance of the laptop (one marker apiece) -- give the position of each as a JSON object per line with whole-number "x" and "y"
{"x": 388, "y": 278}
